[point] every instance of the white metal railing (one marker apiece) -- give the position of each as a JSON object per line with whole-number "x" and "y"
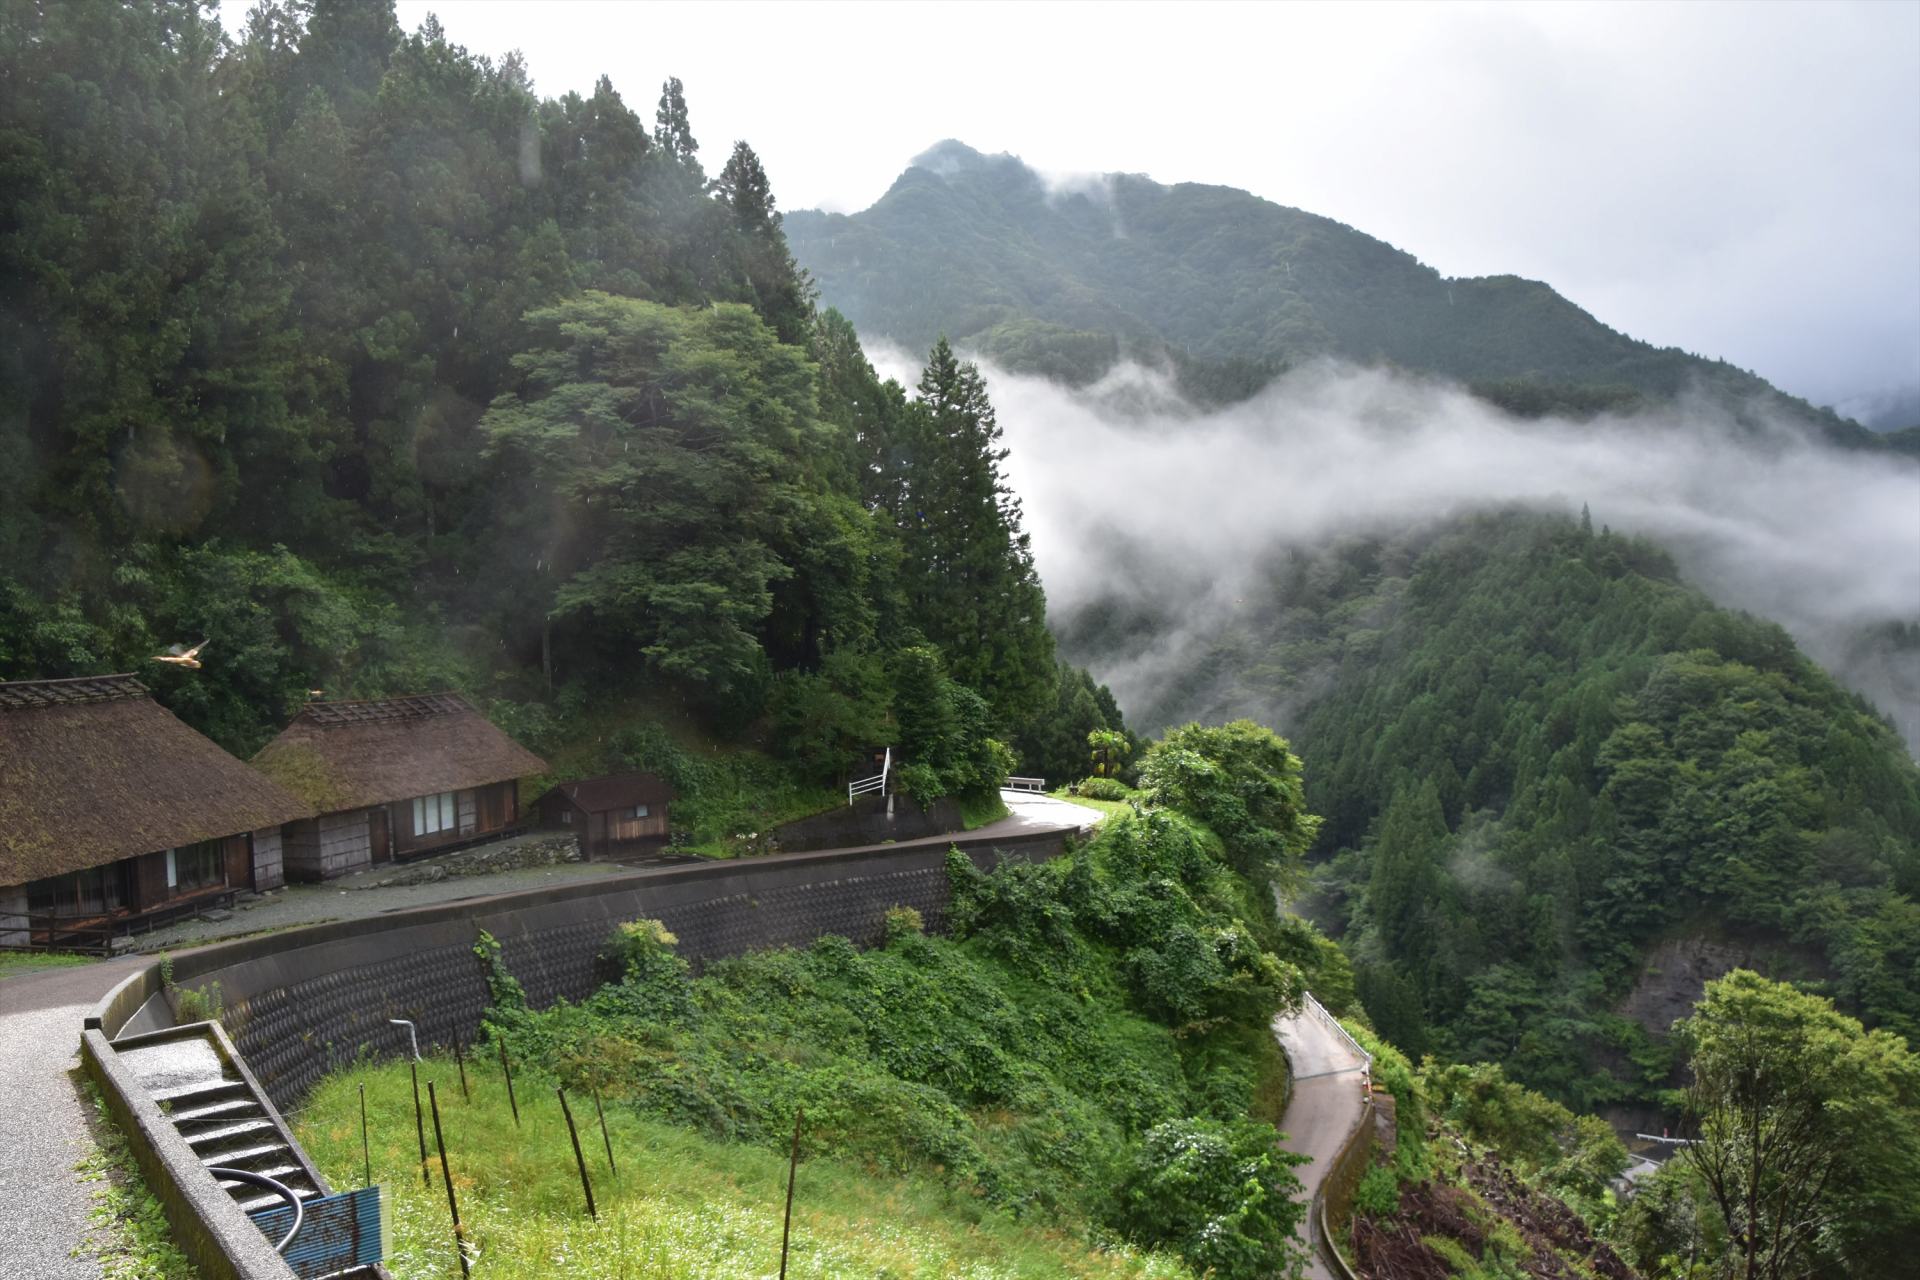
{"x": 1027, "y": 784}
{"x": 1319, "y": 1011}
{"x": 876, "y": 784}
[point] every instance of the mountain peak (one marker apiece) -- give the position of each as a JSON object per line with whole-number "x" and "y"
{"x": 950, "y": 156}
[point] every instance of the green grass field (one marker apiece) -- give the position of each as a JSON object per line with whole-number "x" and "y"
{"x": 682, "y": 1206}
{"x": 1112, "y": 808}
{"x": 12, "y": 962}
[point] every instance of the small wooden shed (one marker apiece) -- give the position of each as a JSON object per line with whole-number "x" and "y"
{"x": 614, "y": 816}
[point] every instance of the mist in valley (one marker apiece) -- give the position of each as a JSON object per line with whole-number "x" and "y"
{"x": 1141, "y": 503}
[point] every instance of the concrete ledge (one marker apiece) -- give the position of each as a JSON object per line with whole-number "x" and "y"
{"x": 208, "y": 1226}
{"x": 1349, "y": 1166}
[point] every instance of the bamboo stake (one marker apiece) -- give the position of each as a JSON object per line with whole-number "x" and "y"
{"x": 419, "y": 1125}
{"x": 366, "y": 1153}
{"x": 460, "y": 1060}
{"x": 586, "y": 1185}
{"x": 603, "y": 1133}
{"x": 446, "y": 1175}
{"x": 507, "y": 1068}
{"x": 793, "y": 1167}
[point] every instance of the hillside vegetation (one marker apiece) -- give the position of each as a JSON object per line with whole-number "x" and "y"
{"x": 340, "y": 349}
{"x": 1538, "y": 752}
{"x": 1227, "y": 287}
{"x": 1088, "y": 1055}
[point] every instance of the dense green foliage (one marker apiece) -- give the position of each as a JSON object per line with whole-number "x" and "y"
{"x": 1226, "y": 288}
{"x": 342, "y": 350}
{"x": 1545, "y": 753}
{"x": 1538, "y": 753}
{"x": 1809, "y": 1133}
{"x": 1087, "y": 1048}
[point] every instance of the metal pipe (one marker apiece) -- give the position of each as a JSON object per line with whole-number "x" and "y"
{"x": 280, "y": 1189}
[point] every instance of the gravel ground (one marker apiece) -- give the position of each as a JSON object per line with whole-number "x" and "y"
{"x": 43, "y": 1120}
{"x": 351, "y": 897}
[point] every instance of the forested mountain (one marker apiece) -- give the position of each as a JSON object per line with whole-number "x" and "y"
{"x": 340, "y": 349}
{"x": 1226, "y": 286}
{"x": 1538, "y": 753}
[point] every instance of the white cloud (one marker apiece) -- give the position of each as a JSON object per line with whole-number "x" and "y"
{"x": 1129, "y": 492}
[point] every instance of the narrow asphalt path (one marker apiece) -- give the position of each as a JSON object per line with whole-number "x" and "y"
{"x": 43, "y": 1119}
{"x": 1327, "y": 1104}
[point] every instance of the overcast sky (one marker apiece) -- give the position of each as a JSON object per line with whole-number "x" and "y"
{"x": 1740, "y": 180}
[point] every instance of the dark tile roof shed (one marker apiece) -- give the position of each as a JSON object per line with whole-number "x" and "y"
{"x": 616, "y": 791}
{"x": 349, "y": 755}
{"x": 92, "y": 771}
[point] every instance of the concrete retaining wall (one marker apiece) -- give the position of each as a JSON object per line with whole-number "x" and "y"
{"x": 1333, "y": 1206}
{"x": 302, "y": 1003}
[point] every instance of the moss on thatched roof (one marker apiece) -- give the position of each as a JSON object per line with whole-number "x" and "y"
{"x": 92, "y": 771}
{"x": 349, "y": 755}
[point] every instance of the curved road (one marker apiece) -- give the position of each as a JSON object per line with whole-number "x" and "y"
{"x": 43, "y": 1119}
{"x": 1328, "y": 1103}
{"x": 44, "y": 1129}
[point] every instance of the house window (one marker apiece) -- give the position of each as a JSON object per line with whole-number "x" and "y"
{"x": 197, "y": 866}
{"x": 566, "y": 816}
{"x": 91, "y": 892}
{"x": 639, "y": 811}
{"x": 433, "y": 814}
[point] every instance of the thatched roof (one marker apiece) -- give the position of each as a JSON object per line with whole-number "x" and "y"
{"x": 350, "y": 755}
{"x": 92, "y": 771}
{"x": 615, "y": 791}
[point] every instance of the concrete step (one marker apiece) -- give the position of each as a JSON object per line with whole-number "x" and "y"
{"x": 202, "y": 1141}
{"x": 223, "y": 1109}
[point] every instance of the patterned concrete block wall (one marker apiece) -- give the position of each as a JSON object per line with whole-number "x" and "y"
{"x": 269, "y": 870}
{"x": 302, "y": 1004}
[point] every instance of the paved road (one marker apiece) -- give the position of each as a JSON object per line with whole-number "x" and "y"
{"x": 43, "y": 1119}
{"x": 1325, "y": 1107}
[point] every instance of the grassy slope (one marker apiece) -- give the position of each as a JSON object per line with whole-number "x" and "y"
{"x": 12, "y": 962}
{"x": 683, "y": 1206}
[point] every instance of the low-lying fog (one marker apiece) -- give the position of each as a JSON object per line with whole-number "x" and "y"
{"x": 1128, "y": 489}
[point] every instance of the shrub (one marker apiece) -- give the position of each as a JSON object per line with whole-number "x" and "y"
{"x": 904, "y": 922}
{"x": 1219, "y": 1195}
{"x": 1378, "y": 1193}
{"x": 1102, "y": 789}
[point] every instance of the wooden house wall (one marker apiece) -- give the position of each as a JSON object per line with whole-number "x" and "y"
{"x": 479, "y": 811}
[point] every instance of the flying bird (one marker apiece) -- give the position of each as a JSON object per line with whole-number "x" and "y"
{"x": 188, "y": 658}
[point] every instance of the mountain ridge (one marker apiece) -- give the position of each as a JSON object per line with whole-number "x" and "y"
{"x": 1065, "y": 278}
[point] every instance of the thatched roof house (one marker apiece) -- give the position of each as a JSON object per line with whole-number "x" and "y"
{"x": 617, "y": 814}
{"x": 394, "y": 777}
{"x": 94, "y": 774}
